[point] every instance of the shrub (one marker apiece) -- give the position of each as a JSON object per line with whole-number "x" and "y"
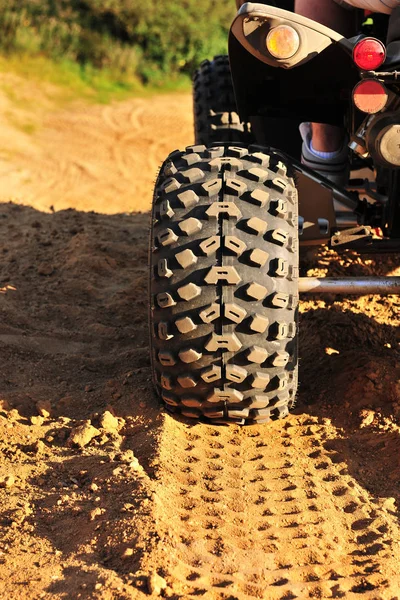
{"x": 154, "y": 40}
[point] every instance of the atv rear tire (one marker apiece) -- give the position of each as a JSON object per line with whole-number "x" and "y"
{"x": 214, "y": 105}
{"x": 224, "y": 285}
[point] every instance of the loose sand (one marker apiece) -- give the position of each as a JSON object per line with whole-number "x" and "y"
{"x": 110, "y": 508}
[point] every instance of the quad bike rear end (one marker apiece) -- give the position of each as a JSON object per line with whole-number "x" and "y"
{"x": 232, "y": 212}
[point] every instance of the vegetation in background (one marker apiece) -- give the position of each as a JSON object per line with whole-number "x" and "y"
{"x": 123, "y": 43}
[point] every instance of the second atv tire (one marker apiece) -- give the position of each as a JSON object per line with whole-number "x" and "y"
{"x": 214, "y": 105}
{"x": 224, "y": 284}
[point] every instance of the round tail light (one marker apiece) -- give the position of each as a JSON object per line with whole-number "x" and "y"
{"x": 283, "y": 42}
{"x": 369, "y": 54}
{"x": 370, "y": 96}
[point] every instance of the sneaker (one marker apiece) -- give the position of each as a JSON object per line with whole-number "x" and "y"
{"x": 336, "y": 168}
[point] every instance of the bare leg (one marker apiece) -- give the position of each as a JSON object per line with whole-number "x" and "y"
{"x": 328, "y": 13}
{"x": 326, "y": 138}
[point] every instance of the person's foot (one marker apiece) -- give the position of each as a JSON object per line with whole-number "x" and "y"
{"x": 332, "y": 165}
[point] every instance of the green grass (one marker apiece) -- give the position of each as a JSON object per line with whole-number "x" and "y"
{"x": 75, "y": 82}
{"x": 105, "y": 49}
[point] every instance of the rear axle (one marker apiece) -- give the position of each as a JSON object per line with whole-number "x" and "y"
{"x": 359, "y": 286}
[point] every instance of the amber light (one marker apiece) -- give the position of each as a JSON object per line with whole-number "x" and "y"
{"x": 370, "y": 96}
{"x": 369, "y": 54}
{"x": 283, "y": 42}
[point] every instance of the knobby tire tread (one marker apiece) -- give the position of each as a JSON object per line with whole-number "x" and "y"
{"x": 224, "y": 284}
{"x": 214, "y": 105}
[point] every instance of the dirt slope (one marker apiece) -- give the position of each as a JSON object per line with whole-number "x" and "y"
{"x": 104, "y": 496}
{"x": 101, "y": 158}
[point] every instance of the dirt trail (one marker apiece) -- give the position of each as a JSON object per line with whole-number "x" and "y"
{"x": 104, "y": 496}
{"x": 101, "y": 158}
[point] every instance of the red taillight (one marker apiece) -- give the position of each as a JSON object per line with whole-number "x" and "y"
{"x": 370, "y": 96}
{"x": 369, "y": 54}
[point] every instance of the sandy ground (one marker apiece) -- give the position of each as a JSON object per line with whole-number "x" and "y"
{"x": 102, "y": 494}
{"x": 101, "y": 158}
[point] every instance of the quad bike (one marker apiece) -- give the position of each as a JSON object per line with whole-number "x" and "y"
{"x": 231, "y": 212}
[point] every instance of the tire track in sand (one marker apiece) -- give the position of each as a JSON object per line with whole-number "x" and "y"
{"x": 268, "y": 512}
{"x": 92, "y": 157}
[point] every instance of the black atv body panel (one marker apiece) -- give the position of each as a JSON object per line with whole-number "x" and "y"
{"x": 275, "y": 98}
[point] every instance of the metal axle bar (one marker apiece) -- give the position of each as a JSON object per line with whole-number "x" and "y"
{"x": 360, "y": 286}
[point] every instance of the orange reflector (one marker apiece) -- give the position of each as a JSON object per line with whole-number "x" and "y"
{"x": 370, "y": 96}
{"x": 283, "y": 42}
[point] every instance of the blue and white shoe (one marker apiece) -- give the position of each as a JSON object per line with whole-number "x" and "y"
{"x": 332, "y": 165}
